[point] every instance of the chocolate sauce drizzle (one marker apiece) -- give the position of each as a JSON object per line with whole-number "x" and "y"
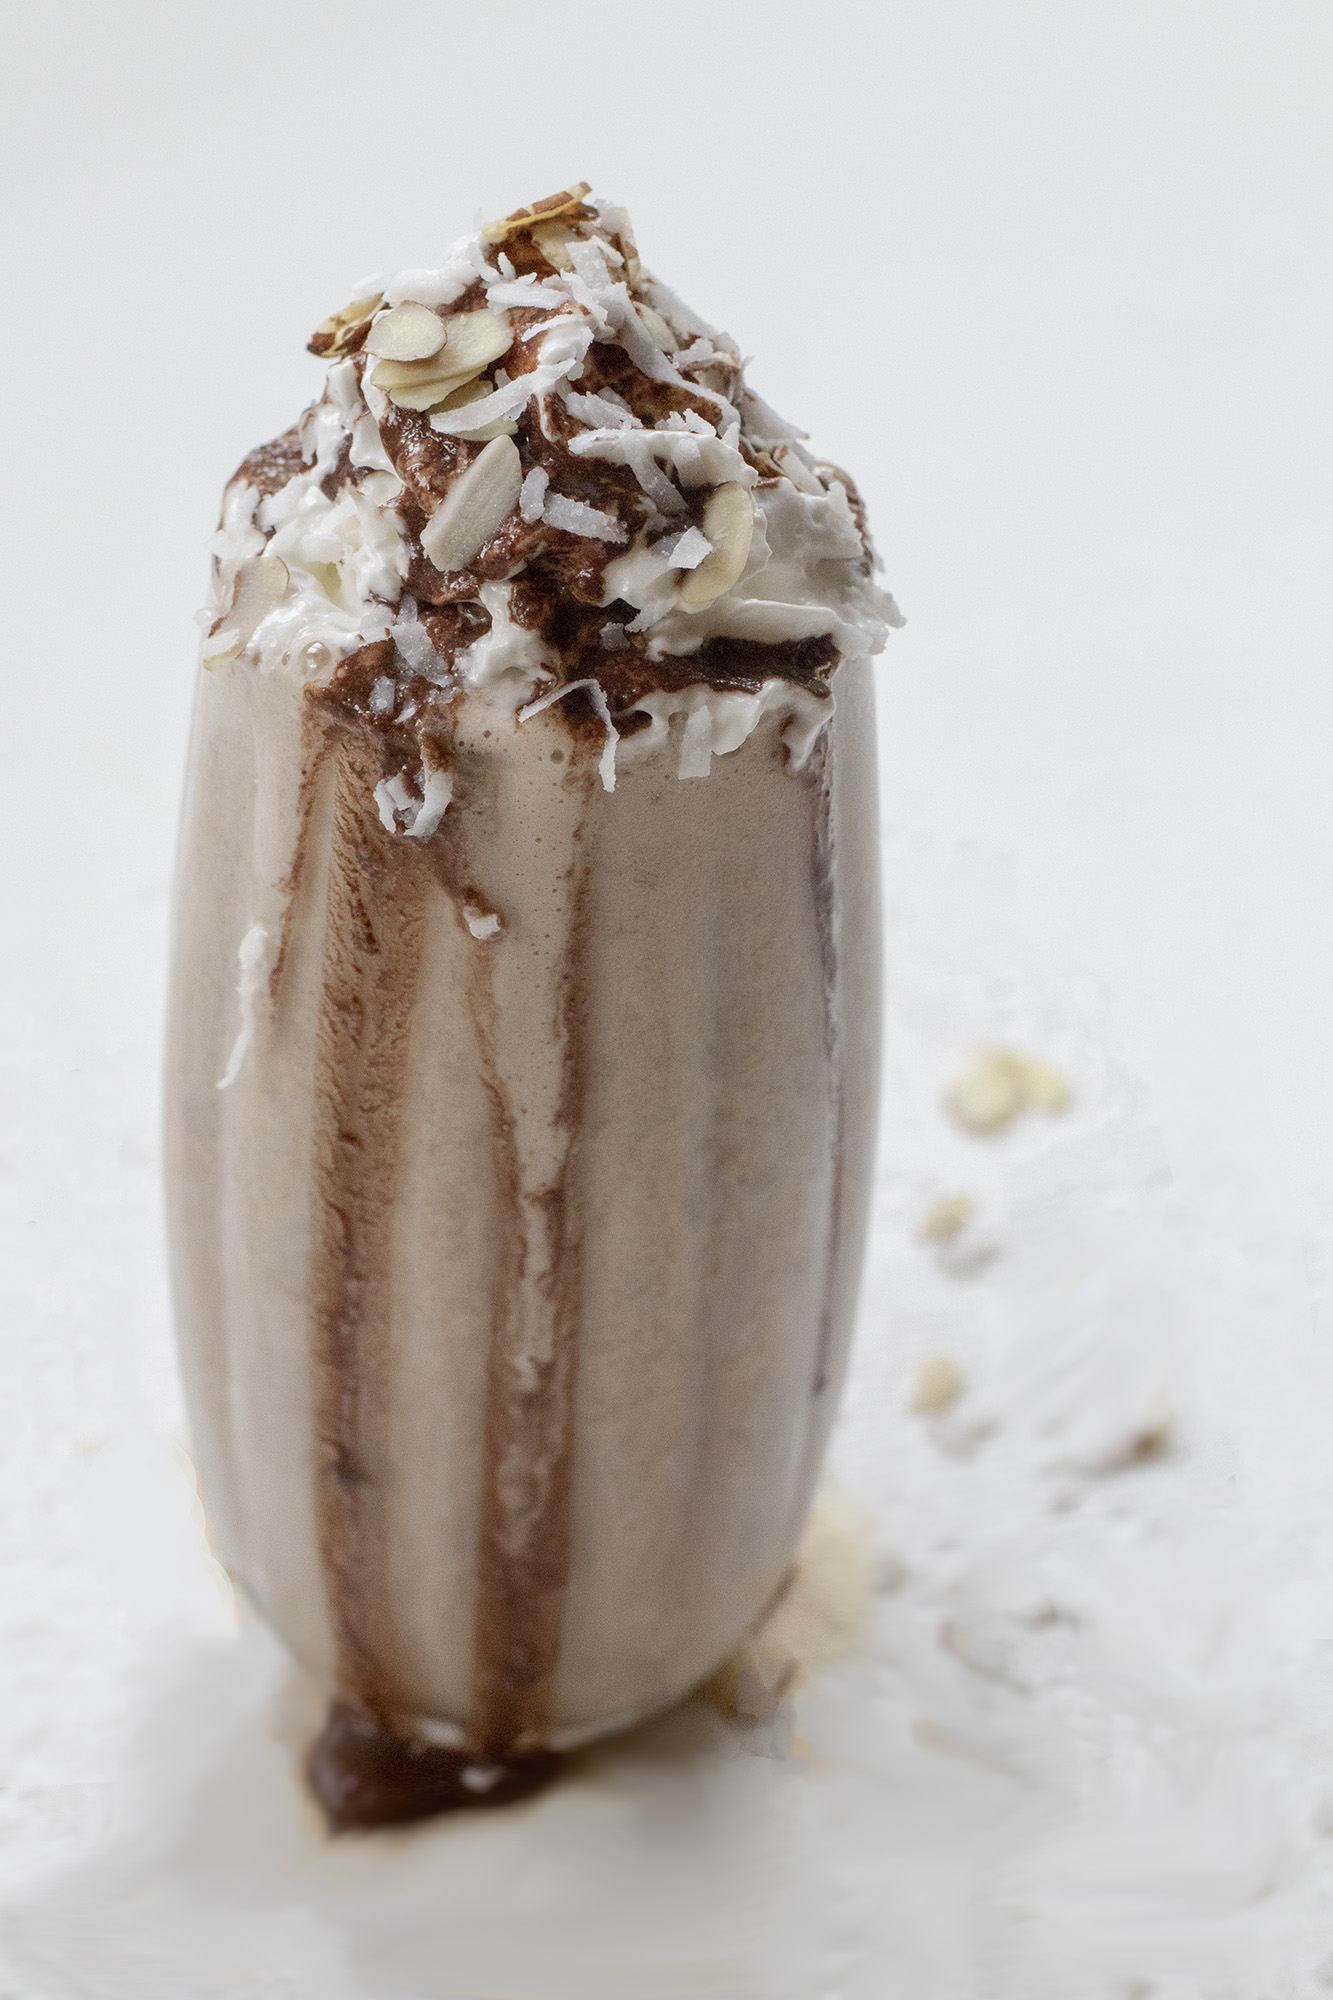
{"x": 826, "y": 919}
{"x": 369, "y": 1767}
{"x": 372, "y": 937}
{"x": 524, "y": 1552}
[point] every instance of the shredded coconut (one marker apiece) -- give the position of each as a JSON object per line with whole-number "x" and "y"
{"x": 607, "y": 765}
{"x": 577, "y": 518}
{"x": 532, "y": 494}
{"x": 601, "y": 412}
{"x": 419, "y": 818}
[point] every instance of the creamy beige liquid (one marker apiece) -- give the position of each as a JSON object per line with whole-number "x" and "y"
{"x": 514, "y": 1275}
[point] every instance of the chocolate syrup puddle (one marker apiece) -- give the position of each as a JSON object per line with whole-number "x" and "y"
{"x": 365, "y": 1776}
{"x": 373, "y": 922}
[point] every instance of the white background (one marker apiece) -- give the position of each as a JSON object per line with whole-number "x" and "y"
{"x": 1051, "y": 279}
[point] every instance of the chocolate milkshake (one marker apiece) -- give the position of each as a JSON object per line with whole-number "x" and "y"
{"x": 524, "y": 1017}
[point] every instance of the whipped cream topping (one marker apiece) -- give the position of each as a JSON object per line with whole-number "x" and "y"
{"x": 621, "y": 515}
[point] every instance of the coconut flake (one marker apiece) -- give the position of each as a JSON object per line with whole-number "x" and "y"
{"x": 437, "y": 788}
{"x": 392, "y": 797}
{"x": 688, "y": 550}
{"x": 700, "y": 460}
{"x": 383, "y": 695}
{"x": 601, "y": 412}
{"x": 532, "y": 494}
{"x": 413, "y": 645}
{"x": 607, "y": 764}
{"x": 528, "y": 291}
{"x": 577, "y": 518}
{"x": 483, "y": 924}
{"x": 420, "y": 817}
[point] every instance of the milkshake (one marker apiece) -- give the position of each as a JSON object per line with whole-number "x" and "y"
{"x": 524, "y": 1019}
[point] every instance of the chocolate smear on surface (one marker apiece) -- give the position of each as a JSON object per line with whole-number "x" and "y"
{"x": 271, "y": 466}
{"x": 365, "y": 1776}
{"x": 823, "y": 868}
{"x": 524, "y": 1550}
{"x": 373, "y": 924}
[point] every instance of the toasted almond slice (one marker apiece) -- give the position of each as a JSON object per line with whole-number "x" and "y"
{"x": 467, "y": 392}
{"x": 553, "y": 240}
{"x": 946, "y": 1217}
{"x": 260, "y": 586}
{"x": 472, "y": 340}
{"x": 473, "y": 392}
{"x": 1046, "y": 1089}
{"x": 657, "y": 329}
{"x": 475, "y": 507}
{"x": 540, "y": 211}
{"x": 427, "y": 395}
{"x": 728, "y": 524}
{"x": 989, "y": 1091}
{"x": 408, "y": 332}
{"x": 416, "y": 385}
{"x": 391, "y": 375}
{"x": 939, "y": 1383}
{"x": 341, "y": 333}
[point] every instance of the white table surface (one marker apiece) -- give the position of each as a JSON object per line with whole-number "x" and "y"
{"x": 1054, "y": 281}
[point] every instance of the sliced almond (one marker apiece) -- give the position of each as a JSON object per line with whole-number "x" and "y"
{"x": 473, "y": 392}
{"x": 467, "y": 392}
{"x": 988, "y": 1093}
{"x": 997, "y": 1084}
{"x": 475, "y": 507}
{"x": 728, "y": 524}
{"x": 408, "y": 332}
{"x": 342, "y": 332}
{"x": 260, "y": 586}
{"x": 553, "y": 240}
{"x": 541, "y": 211}
{"x": 422, "y": 392}
{"x": 471, "y": 341}
{"x": 417, "y": 385}
{"x": 633, "y": 268}
{"x": 946, "y": 1218}
{"x": 657, "y": 329}
{"x": 392, "y": 375}
{"x": 938, "y": 1384}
